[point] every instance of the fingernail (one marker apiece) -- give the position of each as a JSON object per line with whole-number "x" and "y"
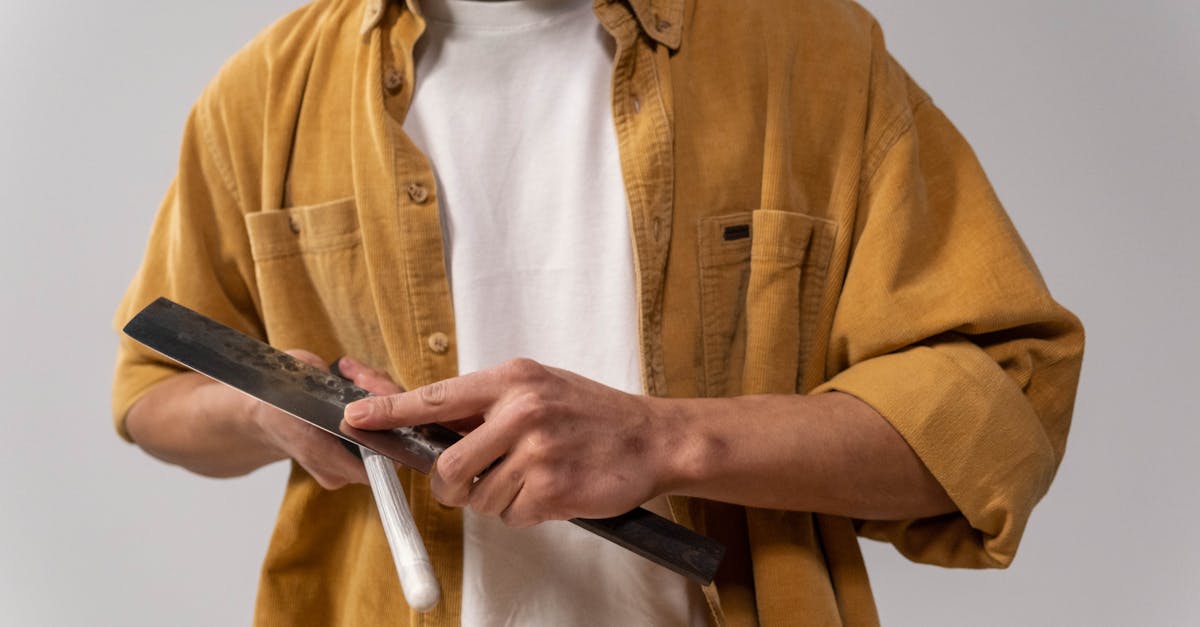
{"x": 358, "y": 411}
{"x": 347, "y": 363}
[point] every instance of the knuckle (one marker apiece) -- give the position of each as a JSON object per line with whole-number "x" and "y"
{"x": 450, "y": 466}
{"x": 434, "y": 393}
{"x": 437, "y": 488}
{"x": 523, "y": 370}
{"x": 389, "y": 405}
{"x": 534, "y": 449}
{"x": 448, "y": 495}
{"x": 531, "y": 408}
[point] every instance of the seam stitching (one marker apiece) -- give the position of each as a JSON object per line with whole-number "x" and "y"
{"x": 225, "y": 171}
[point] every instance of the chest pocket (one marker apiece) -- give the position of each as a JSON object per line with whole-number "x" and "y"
{"x": 762, "y": 275}
{"x": 313, "y": 280}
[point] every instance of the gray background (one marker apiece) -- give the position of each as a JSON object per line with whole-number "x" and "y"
{"x": 1086, "y": 113}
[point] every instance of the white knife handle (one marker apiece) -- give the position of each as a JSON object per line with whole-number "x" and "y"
{"x": 412, "y": 561}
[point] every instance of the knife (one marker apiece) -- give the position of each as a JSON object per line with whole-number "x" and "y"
{"x": 320, "y": 398}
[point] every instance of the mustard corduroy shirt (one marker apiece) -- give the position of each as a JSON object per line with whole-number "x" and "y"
{"x": 803, "y": 219}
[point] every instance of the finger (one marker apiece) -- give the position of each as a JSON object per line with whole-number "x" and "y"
{"x": 464, "y": 426}
{"x": 309, "y": 358}
{"x": 455, "y": 471}
{"x": 497, "y": 488}
{"x": 521, "y": 512}
{"x": 318, "y": 452}
{"x": 374, "y": 381}
{"x": 328, "y": 462}
{"x": 444, "y": 401}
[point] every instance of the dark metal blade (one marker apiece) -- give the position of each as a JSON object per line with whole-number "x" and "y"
{"x": 319, "y": 398}
{"x": 278, "y": 379}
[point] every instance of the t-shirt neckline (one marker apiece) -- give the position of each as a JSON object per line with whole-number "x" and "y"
{"x": 501, "y": 15}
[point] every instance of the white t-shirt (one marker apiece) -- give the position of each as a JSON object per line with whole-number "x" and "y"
{"x": 512, "y": 105}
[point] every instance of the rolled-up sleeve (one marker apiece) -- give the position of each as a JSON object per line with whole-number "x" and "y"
{"x": 198, "y": 255}
{"x": 946, "y": 328}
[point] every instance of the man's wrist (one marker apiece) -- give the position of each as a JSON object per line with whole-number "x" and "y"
{"x": 686, "y": 444}
{"x": 245, "y": 416}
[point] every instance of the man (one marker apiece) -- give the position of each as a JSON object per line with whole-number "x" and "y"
{"x": 748, "y": 268}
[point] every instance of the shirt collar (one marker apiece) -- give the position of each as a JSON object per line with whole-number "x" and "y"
{"x": 662, "y": 20}
{"x": 372, "y": 14}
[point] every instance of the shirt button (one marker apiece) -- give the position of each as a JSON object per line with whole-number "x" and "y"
{"x": 438, "y": 342}
{"x": 294, "y": 224}
{"x": 418, "y": 193}
{"x": 393, "y": 80}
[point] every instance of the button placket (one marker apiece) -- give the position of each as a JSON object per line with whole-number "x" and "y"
{"x": 649, "y": 182}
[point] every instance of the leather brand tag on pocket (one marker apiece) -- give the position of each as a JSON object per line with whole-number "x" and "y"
{"x": 736, "y": 232}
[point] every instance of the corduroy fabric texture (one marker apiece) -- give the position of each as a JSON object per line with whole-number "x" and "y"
{"x": 879, "y": 262}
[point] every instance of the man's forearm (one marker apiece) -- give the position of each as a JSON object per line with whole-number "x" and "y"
{"x": 559, "y": 445}
{"x": 199, "y": 424}
{"x": 829, "y": 453}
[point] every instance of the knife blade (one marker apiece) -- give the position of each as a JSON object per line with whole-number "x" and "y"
{"x": 278, "y": 379}
{"x": 320, "y": 398}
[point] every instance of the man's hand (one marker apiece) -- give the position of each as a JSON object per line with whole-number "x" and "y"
{"x": 212, "y": 429}
{"x": 554, "y": 445}
{"x": 321, "y": 454}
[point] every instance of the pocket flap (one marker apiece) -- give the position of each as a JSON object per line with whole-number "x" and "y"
{"x": 781, "y": 235}
{"x": 311, "y": 228}
{"x": 789, "y": 257}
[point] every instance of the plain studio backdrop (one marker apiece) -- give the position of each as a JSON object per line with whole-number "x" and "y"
{"x": 1086, "y": 114}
